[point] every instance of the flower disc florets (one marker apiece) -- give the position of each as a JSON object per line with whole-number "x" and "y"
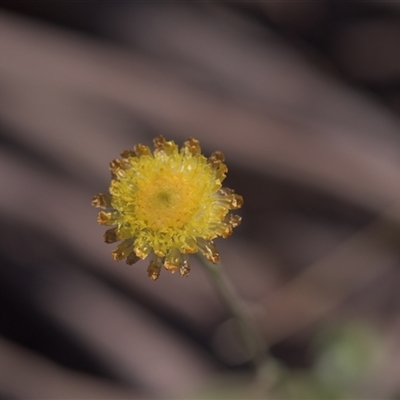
{"x": 167, "y": 204}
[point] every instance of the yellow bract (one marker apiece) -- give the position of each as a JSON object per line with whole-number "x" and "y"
{"x": 167, "y": 204}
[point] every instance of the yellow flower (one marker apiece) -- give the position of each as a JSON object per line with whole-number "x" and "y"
{"x": 167, "y": 204}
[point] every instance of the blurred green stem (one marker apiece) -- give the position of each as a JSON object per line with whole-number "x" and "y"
{"x": 248, "y": 331}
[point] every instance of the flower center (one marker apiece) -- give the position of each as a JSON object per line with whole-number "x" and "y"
{"x": 164, "y": 198}
{"x": 166, "y": 202}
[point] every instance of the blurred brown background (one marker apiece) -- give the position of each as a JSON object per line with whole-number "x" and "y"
{"x": 303, "y": 98}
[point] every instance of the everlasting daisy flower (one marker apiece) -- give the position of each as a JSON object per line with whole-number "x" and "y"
{"x": 167, "y": 204}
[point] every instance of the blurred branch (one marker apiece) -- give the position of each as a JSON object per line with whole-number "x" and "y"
{"x": 326, "y": 284}
{"x": 24, "y": 374}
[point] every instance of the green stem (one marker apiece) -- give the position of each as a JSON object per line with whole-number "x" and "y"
{"x": 249, "y": 334}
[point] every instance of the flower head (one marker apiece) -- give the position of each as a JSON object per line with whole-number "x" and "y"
{"x": 167, "y": 204}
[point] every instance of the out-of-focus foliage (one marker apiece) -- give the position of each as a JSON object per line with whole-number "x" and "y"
{"x": 348, "y": 355}
{"x": 344, "y": 359}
